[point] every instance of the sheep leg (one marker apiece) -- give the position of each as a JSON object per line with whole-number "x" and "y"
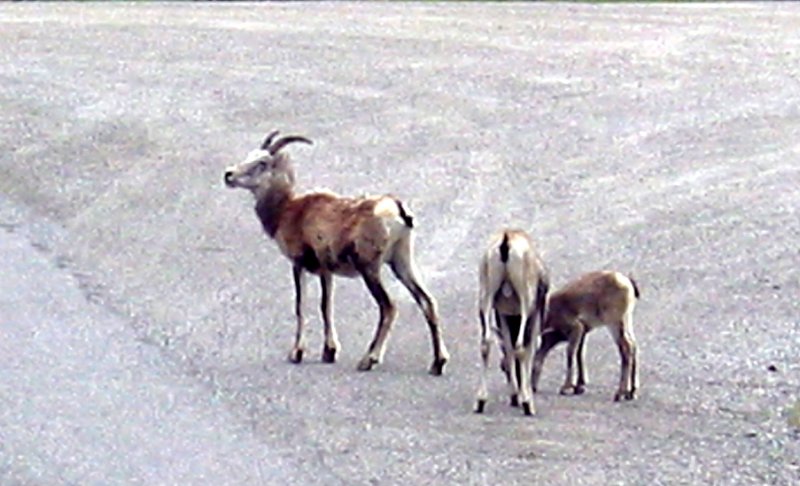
{"x": 580, "y": 388}
{"x": 524, "y": 358}
{"x": 486, "y": 346}
{"x": 572, "y": 348}
{"x": 388, "y": 312}
{"x": 503, "y": 364}
{"x": 549, "y": 339}
{"x": 331, "y": 339}
{"x": 627, "y": 327}
{"x": 525, "y": 362}
{"x": 626, "y": 351}
{"x": 296, "y": 354}
{"x": 405, "y": 269}
{"x": 634, "y": 370}
{"x": 503, "y": 350}
{"x": 509, "y": 359}
{"x": 634, "y": 373}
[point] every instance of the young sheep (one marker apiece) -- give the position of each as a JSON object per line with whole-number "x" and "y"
{"x": 594, "y": 300}
{"x": 325, "y": 234}
{"x": 513, "y": 283}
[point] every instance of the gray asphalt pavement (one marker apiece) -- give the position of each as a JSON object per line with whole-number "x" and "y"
{"x": 145, "y": 318}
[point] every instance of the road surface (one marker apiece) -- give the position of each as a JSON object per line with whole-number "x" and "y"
{"x": 145, "y": 319}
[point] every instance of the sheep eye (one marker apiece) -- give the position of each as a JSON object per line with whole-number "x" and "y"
{"x": 262, "y": 165}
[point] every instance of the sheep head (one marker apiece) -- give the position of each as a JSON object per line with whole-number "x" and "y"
{"x": 265, "y": 167}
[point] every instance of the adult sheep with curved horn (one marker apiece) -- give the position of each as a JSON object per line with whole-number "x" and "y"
{"x": 326, "y": 235}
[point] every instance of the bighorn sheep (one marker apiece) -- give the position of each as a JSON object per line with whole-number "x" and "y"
{"x": 325, "y": 234}
{"x": 594, "y": 300}
{"x": 513, "y": 283}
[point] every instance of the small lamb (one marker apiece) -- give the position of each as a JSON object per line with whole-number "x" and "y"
{"x": 597, "y": 299}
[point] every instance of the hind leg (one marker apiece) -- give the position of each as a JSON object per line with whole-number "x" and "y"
{"x": 509, "y": 357}
{"x": 388, "y": 312}
{"x": 404, "y": 267}
{"x": 486, "y": 346}
{"x": 627, "y": 350}
{"x": 580, "y": 387}
{"x": 627, "y": 326}
{"x": 524, "y": 358}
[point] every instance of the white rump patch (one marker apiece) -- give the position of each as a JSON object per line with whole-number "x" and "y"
{"x": 387, "y": 207}
{"x": 625, "y": 283}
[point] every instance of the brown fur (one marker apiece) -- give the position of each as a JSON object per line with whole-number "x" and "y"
{"x": 596, "y": 299}
{"x": 332, "y": 226}
{"x": 325, "y": 234}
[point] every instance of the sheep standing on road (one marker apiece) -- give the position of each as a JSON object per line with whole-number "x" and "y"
{"x": 325, "y": 234}
{"x": 597, "y": 299}
{"x": 513, "y": 283}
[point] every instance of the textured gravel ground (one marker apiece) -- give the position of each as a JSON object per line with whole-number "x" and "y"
{"x": 145, "y": 319}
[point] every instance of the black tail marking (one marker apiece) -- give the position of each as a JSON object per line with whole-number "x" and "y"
{"x": 504, "y": 248}
{"x": 636, "y": 292}
{"x": 407, "y": 218}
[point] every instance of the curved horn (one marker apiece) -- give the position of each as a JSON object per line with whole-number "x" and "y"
{"x": 286, "y": 141}
{"x": 268, "y": 140}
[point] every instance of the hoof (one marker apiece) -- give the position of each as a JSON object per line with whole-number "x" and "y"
{"x": 480, "y": 406}
{"x": 437, "y": 367}
{"x": 631, "y": 395}
{"x": 296, "y": 355}
{"x": 567, "y": 390}
{"x": 328, "y": 355}
{"x": 514, "y": 401}
{"x": 527, "y": 408}
{"x": 580, "y": 390}
{"x": 366, "y": 363}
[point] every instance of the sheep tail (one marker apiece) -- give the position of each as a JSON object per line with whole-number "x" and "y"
{"x": 405, "y": 215}
{"x": 504, "y": 248}
{"x": 636, "y": 292}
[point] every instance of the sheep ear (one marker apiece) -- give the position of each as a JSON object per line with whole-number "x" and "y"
{"x": 268, "y": 140}
{"x": 286, "y": 141}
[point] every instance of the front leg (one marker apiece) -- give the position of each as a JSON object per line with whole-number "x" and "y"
{"x": 296, "y": 354}
{"x": 331, "y": 340}
{"x": 572, "y": 348}
{"x": 549, "y": 339}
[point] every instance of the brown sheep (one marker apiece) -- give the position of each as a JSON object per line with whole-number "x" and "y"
{"x": 325, "y": 234}
{"x": 597, "y": 299}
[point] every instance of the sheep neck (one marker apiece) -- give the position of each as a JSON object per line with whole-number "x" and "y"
{"x": 270, "y": 206}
